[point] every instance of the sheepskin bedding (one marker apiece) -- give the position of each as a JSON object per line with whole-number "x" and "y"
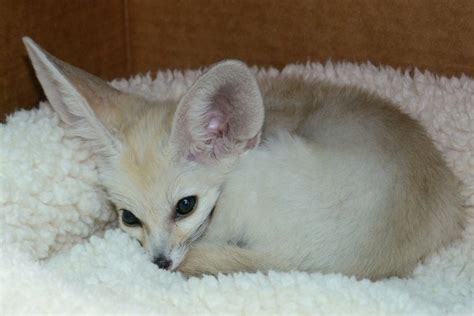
{"x": 61, "y": 251}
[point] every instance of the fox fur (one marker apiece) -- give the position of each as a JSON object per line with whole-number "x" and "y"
{"x": 289, "y": 173}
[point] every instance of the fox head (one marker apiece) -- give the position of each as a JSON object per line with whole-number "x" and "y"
{"x": 162, "y": 164}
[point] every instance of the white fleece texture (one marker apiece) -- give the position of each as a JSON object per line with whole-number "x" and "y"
{"x": 61, "y": 252}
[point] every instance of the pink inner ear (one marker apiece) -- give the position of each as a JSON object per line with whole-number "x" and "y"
{"x": 217, "y": 124}
{"x": 214, "y": 124}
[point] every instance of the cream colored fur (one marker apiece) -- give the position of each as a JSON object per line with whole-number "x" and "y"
{"x": 301, "y": 175}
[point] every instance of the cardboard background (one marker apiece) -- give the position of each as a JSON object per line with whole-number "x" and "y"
{"x": 117, "y": 38}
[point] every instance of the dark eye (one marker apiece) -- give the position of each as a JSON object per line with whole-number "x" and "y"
{"x": 129, "y": 219}
{"x": 186, "y": 205}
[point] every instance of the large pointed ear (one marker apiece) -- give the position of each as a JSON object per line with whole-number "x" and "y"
{"x": 83, "y": 101}
{"x": 221, "y": 116}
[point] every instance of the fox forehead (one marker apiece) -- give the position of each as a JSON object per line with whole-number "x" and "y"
{"x": 144, "y": 160}
{"x": 146, "y": 145}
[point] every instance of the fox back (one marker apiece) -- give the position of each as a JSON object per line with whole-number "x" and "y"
{"x": 247, "y": 175}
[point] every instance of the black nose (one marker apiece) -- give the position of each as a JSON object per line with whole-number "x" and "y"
{"x": 162, "y": 262}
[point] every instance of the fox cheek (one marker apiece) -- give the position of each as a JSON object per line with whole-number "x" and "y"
{"x": 177, "y": 255}
{"x": 136, "y": 234}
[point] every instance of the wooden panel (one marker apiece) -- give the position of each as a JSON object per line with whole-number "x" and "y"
{"x": 86, "y": 33}
{"x": 431, "y": 34}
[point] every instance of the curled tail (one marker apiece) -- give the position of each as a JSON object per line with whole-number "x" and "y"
{"x": 211, "y": 258}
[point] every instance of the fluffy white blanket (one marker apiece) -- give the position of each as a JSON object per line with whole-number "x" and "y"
{"x": 60, "y": 250}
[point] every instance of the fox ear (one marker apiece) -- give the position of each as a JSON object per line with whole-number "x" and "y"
{"x": 221, "y": 116}
{"x": 83, "y": 101}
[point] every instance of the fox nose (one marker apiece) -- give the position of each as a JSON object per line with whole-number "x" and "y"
{"x": 162, "y": 262}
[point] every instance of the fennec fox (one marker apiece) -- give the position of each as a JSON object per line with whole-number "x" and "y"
{"x": 277, "y": 174}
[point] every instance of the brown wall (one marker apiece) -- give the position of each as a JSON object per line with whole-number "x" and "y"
{"x": 87, "y": 33}
{"x": 431, "y": 34}
{"x": 115, "y": 38}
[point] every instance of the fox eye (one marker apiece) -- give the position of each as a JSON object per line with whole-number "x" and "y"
{"x": 186, "y": 205}
{"x": 129, "y": 219}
